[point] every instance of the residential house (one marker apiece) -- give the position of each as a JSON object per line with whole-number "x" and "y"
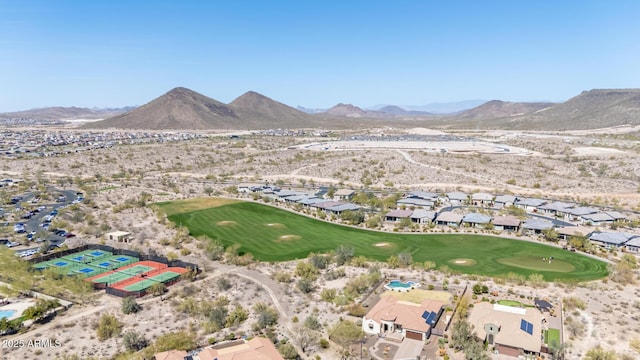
{"x": 576, "y": 214}
{"x": 596, "y": 219}
{"x": 611, "y": 240}
{"x": 536, "y": 225}
{"x": 244, "y": 188}
{"x": 633, "y": 245}
{"x": 397, "y": 215}
{"x": 424, "y": 195}
{"x": 421, "y": 216}
{"x": 338, "y": 209}
{"x": 457, "y": 198}
{"x": 506, "y": 223}
{"x": 308, "y": 202}
{"x": 482, "y": 199}
{"x": 334, "y": 207}
{"x": 617, "y": 216}
{"x": 530, "y": 204}
{"x": 343, "y": 194}
{"x": 415, "y": 203}
{"x": 449, "y": 218}
{"x": 476, "y": 220}
{"x": 283, "y": 194}
{"x": 512, "y": 331}
{"x": 392, "y": 317}
{"x": 171, "y": 355}
{"x": 557, "y": 208}
{"x": 298, "y": 198}
{"x": 257, "y": 348}
{"x": 504, "y": 201}
{"x": 566, "y": 232}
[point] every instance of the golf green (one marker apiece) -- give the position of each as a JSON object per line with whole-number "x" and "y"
{"x": 254, "y": 232}
{"x": 537, "y": 263}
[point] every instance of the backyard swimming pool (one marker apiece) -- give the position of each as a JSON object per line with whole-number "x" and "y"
{"x": 400, "y": 285}
{"x": 7, "y": 313}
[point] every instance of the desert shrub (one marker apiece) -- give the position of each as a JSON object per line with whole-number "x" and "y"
{"x": 133, "y": 341}
{"x": 108, "y": 327}
{"x": 130, "y": 306}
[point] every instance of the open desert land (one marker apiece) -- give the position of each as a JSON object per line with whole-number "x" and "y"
{"x": 127, "y": 188}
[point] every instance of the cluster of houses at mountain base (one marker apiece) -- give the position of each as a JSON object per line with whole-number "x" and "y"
{"x": 419, "y": 207}
{"x": 511, "y": 331}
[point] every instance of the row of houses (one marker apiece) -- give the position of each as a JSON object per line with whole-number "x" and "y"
{"x": 475, "y": 220}
{"x": 562, "y": 210}
{"x": 311, "y": 200}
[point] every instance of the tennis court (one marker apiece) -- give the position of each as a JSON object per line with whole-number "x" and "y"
{"x": 123, "y": 273}
{"x": 84, "y": 270}
{"x": 88, "y": 256}
{"x": 109, "y": 278}
{"x": 114, "y": 262}
{"x": 144, "y": 284}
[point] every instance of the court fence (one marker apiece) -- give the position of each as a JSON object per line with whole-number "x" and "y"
{"x": 115, "y": 251}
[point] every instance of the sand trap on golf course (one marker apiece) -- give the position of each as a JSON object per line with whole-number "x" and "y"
{"x": 275, "y": 225}
{"x": 226, "y": 223}
{"x": 382, "y": 244}
{"x": 463, "y": 262}
{"x": 289, "y": 238}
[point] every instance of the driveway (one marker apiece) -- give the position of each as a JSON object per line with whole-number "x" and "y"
{"x": 409, "y": 349}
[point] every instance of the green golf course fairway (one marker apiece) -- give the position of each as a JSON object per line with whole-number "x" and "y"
{"x": 272, "y": 234}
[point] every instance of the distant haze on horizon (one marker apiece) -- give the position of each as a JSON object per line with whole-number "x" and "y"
{"x": 314, "y": 54}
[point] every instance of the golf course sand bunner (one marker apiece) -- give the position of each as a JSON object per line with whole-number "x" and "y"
{"x": 483, "y": 255}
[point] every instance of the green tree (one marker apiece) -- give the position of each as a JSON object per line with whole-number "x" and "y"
{"x": 305, "y": 286}
{"x": 108, "y": 327}
{"x": 352, "y": 217}
{"x": 288, "y": 351}
{"x": 405, "y": 259}
{"x": 158, "y": 289}
{"x": 237, "y": 316}
{"x": 266, "y": 316}
{"x": 343, "y": 254}
{"x": 319, "y": 261}
{"x": 312, "y": 323}
{"x": 213, "y": 249}
{"x": 550, "y": 234}
{"x": 133, "y": 341}
{"x": 306, "y": 270}
{"x": 129, "y": 305}
{"x": 345, "y": 333}
{"x": 599, "y": 353}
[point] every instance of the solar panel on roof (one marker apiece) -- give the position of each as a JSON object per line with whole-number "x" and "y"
{"x": 431, "y": 318}
{"x": 526, "y": 326}
{"x": 425, "y": 315}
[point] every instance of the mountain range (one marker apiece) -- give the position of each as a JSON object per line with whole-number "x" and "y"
{"x": 184, "y": 109}
{"x": 181, "y": 109}
{"x": 63, "y": 113}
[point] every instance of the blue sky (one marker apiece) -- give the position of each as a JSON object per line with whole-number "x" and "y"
{"x": 314, "y": 53}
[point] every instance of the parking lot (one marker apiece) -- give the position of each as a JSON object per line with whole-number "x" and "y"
{"x": 29, "y": 219}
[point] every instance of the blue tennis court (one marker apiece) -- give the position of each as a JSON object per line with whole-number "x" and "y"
{"x": 96, "y": 253}
{"x": 85, "y": 270}
{"x": 105, "y": 264}
{"x": 61, "y": 263}
{"x": 77, "y": 258}
{"x": 122, "y": 259}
